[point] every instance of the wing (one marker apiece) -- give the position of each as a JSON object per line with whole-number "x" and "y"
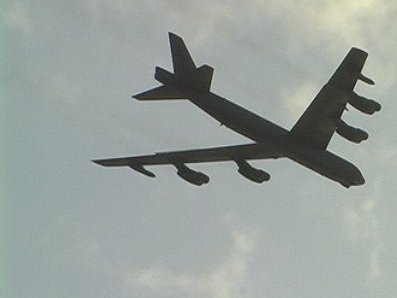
{"x": 226, "y": 153}
{"x": 318, "y": 123}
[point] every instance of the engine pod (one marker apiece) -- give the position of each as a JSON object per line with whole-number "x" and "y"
{"x": 365, "y": 105}
{"x": 251, "y": 173}
{"x": 350, "y": 133}
{"x": 191, "y": 176}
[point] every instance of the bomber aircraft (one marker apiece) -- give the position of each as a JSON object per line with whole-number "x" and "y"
{"x": 306, "y": 143}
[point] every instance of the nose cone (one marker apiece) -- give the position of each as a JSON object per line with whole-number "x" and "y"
{"x": 358, "y": 179}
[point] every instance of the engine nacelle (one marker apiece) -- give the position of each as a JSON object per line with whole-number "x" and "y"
{"x": 255, "y": 175}
{"x": 194, "y": 177}
{"x": 365, "y": 105}
{"x": 350, "y": 133}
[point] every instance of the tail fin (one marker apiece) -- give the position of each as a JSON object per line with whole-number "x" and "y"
{"x": 187, "y": 78}
{"x": 181, "y": 59}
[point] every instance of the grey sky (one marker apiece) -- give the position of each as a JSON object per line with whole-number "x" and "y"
{"x": 73, "y": 229}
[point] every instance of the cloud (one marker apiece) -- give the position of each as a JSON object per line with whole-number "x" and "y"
{"x": 317, "y": 36}
{"x": 297, "y": 100}
{"x": 159, "y": 279}
{"x": 362, "y": 227}
{"x": 225, "y": 281}
{"x": 14, "y": 16}
{"x": 346, "y": 19}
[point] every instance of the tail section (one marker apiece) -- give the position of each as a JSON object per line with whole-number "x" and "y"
{"x": 199, "y": 80}
{"x": 162, "y": 92}
{"x": 181, "y": 59}
{"x": 187, "y": 78}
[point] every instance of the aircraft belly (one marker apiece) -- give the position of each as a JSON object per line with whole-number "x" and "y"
{"x": 239, "y": 119}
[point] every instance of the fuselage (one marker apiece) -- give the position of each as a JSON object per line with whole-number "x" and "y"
{"x": 261, "y": 130}
{"x": 305, "y": 143}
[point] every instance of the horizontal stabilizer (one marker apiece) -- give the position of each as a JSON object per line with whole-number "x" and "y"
{"x": 162, "y": 92}
{"x": 199, "y": 80}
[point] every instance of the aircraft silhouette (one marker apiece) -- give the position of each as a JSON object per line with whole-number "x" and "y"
{"x": 306, "y": 143}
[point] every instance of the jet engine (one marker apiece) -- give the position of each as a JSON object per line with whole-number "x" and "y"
{"x": 194, "y": 177}
{"x": 350, "y": 133}
{"x": 255, "y": 175}
{"x": 365, "y": 105}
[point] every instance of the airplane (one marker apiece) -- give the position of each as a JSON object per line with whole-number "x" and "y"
{"x": 306, "y": 143}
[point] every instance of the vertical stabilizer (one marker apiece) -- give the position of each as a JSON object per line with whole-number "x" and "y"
{"x": 181, "y": 59}
{"x": 186, "y": 78}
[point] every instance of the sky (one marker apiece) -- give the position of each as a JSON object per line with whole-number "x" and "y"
{"x": 70, "y": 228}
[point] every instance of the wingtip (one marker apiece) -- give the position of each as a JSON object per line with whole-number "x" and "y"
{"x": 356, "y": 58}
{"x": 358, "y": 50}
{"x": 138, "y": 96}
{"x": 97, "y": 161}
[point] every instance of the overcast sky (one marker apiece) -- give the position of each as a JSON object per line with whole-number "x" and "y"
{"x": 73, "y": 229}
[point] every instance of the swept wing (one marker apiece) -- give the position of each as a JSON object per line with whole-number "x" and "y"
{"x": 318, "y": 123}
{"x": 225, "y": 153}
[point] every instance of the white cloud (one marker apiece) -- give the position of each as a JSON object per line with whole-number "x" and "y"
{"x": 362, "y": 226}
{"x": 15, "y": 16}
{"x": 375, "y": 265}
{"x": 327, "y": 30}
{"x": 159, "y": 278}
{"x": 297, "y": 100}
{"x": 224, "y": 281}
{"x": 345, "y": 19}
